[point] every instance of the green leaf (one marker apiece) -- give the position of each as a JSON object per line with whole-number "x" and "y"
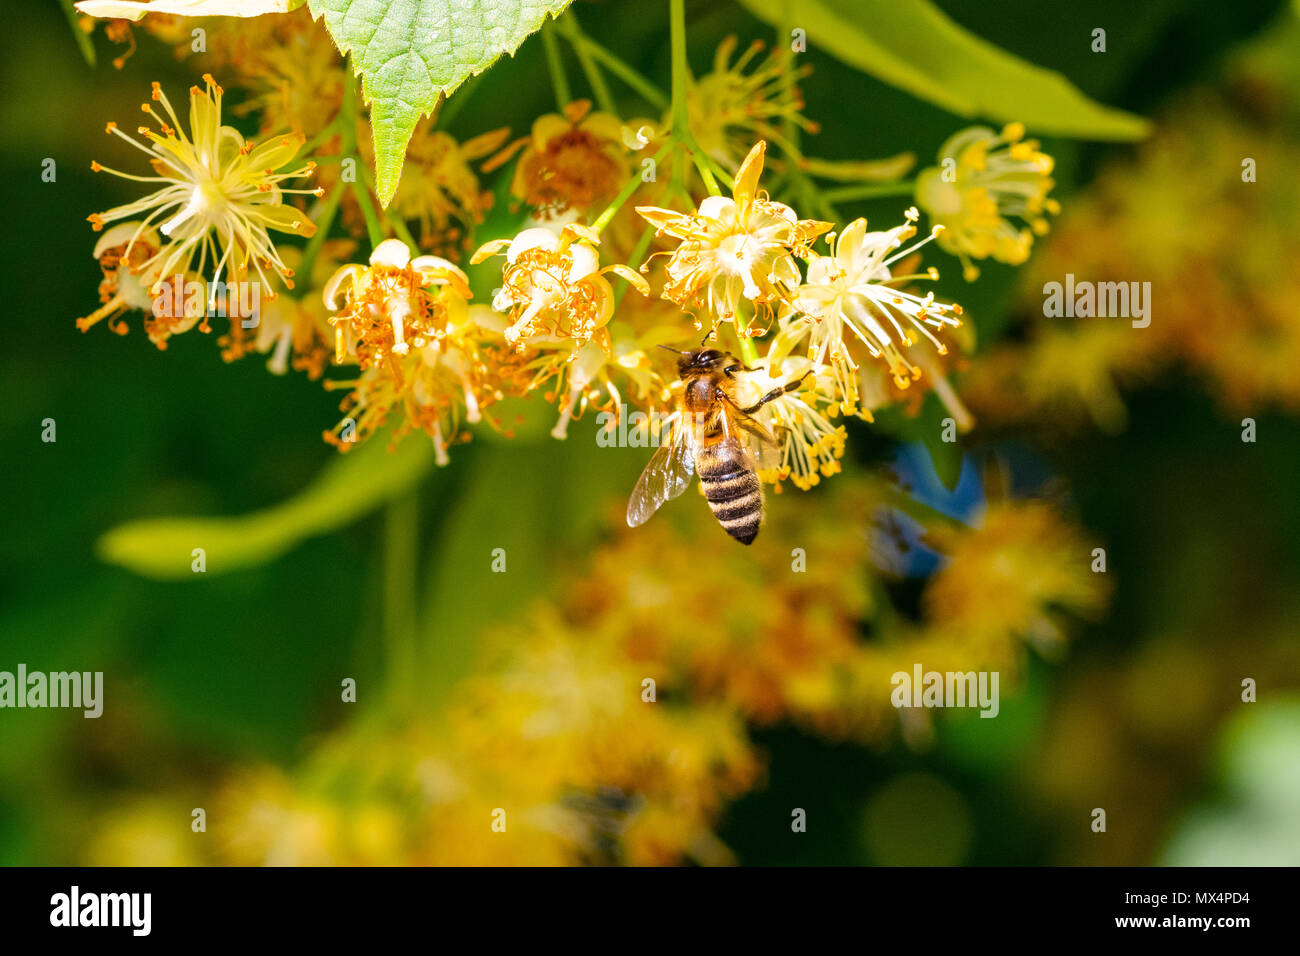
{"x": 84, "y": 42}
{"x": 946, "y": 457}
{"x": 856, "y": 171}
{"x": 348, "y": 488}
{"x": 913, "y": 45}
{"x": 411, "y": 52}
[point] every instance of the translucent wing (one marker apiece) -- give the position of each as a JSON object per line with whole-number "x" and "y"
{"x": 759, "y": 442}
{"x": 667, "y": 475}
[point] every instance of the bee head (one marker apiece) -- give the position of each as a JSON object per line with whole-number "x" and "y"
{"x": 702, "y": 360}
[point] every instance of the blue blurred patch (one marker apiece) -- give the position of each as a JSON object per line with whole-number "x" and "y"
{"x": 897, "y": 538}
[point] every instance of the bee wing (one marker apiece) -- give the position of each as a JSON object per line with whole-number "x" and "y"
{"x": 667, "y": 475}
{"x": 759, "y": 442}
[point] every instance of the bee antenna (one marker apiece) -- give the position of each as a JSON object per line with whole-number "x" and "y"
{"x": 671, "y": 349}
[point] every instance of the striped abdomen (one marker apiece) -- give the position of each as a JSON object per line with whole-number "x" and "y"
{"x": 731, "y": 487}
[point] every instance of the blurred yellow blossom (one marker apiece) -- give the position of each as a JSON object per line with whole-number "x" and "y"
{"x": 1224, "y": 312}
{"x": 984, "y": 180}
{"x": 736, "y": 104}
{"x": 1014, "y": 575}
{"x": 440, "y": 189}
{"x": 574, "y": 161}
{"x": 551, "y": 753}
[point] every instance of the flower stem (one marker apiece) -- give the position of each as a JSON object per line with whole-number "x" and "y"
{"x": 312, "y": 250}
{"x": 393, "y": 222}
{"x": 723, "y": 176}
{"x": 457, "y": 101}
{"x": 630, "y": 77}
{"x": 401, "y": 559}
{"x": 373, "y": 229}
{"x": 571, "y": 31}
{"x": 400, "y": 230}
{"x": 681, "y": 127}
{"x": 702, "y": 164}
{"x": 629, "y": 188}
{"x": 748, "y": 350}
{"x": 347, "y": 113}
{"x": 681, "y": 72}
{"x": 559, "y": 82}
{"x": 635, "y": 260}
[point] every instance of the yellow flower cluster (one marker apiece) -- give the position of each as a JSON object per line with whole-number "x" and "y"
{"x": 750, "y": 99}
{"x": 737, "y": 260}
{"x": 845, "y": 330}
{"x": 984, "y": 180}
{"x": 611, "y": 725}
{"x": 1179, "y": 228}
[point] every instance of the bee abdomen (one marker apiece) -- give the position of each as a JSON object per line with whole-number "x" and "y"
{"x": 733, "y": 491}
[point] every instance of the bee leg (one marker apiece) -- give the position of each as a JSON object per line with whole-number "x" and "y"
{"x": 777, "y": 393}
{"x": 739, "y": 367}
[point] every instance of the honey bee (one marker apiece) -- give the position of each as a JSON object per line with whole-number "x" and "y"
{"x": 718, "y": 440}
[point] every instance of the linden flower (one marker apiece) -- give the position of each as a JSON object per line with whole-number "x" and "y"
{"x": 811, "y": 444}
{"x": 290, "y": 65}
{"x": 578, "y": 375}
{"x": 440, "y": 188}
{"x": 590, "y": 376}
{"x": 450, "y": 384}
{"x": 734, "y": 248}
{"x": 571, "y": 161}
{"x": 553, "y": 286}
{"x": 393, "y": 304}
{"x": 877, "y": 388}
{"x": 434, "y": 388}
{"x": 122, "y": 252}
{"x": 730, "y": 109}
{"x": 992, "y": 177}
{"x": 220, "y": 194}
{"x": 622, "y": 365}
{"x": 853, "y": 291}
{"x": 295, "y": 332}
